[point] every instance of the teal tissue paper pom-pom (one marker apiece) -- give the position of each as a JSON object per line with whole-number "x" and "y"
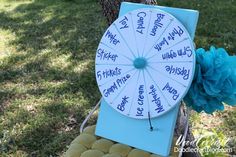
{"x": 214, "y": 81}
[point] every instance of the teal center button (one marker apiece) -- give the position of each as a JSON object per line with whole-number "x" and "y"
{"x": 140, "y": 63}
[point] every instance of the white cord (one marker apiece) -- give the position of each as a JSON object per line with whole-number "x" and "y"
{"x": 89, "y": 115}
{"x": 185, "y": 133}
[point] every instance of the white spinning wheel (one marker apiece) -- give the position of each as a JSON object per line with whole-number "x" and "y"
{"x": 145, "y": 63}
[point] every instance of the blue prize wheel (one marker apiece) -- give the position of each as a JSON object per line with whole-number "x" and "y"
{"x": 145, "y": 63}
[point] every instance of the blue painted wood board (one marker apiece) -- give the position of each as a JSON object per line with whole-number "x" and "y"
{"x": 133, "y": 132}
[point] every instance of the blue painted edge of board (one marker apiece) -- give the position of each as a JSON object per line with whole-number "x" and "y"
{"x": 186, "y": 19}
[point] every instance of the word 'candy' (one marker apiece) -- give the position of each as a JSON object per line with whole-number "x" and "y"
{"x": 140, "y": 22}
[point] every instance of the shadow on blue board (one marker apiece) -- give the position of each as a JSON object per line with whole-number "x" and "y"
{"x": 136, "y": 133}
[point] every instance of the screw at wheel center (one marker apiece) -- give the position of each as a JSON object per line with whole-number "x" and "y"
{"x": 140, "y": 63}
